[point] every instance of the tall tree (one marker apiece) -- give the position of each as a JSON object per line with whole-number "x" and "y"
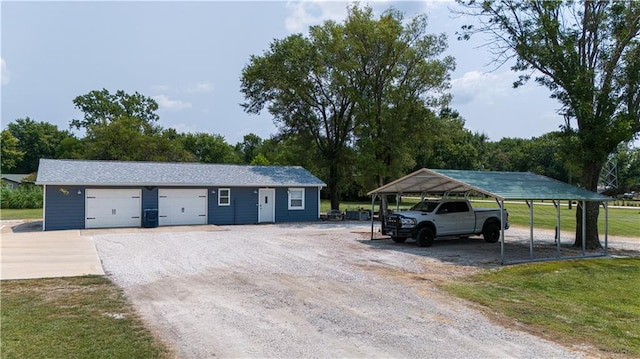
{"x": 362, "y": 87}
{"x": 123, "y": 127}
{"x": 37, "y": 140}
{"x": 446, "y": 143}
{"x": 10, "y": 153}
{"x": 71, "y": 147}
{"x": 304, "y": 84}
{"x": 588, "y": 54}
{"x": 123, "y": 139}
{"x": 544, "y": 155}
{"x": 400, "y": 77}
{"x": 102, "y": 108}
{"x": 294, "y": 150}
{"x": 249, "y": 147}
{"x": 209, "y": 148}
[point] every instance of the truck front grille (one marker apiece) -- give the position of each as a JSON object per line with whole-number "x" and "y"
{"x": 393, "y": 221}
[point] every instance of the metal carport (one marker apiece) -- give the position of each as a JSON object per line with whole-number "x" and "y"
{"x": 522, "y": 186}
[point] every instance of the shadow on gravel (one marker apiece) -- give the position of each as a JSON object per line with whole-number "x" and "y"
{"x": 474, "y": 251}
{"x": 364, "y": 225}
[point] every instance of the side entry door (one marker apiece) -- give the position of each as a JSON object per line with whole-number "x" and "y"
{"x": 266, "y": 205}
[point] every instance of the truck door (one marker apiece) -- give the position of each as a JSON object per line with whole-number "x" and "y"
{"x": 453, "y": 218}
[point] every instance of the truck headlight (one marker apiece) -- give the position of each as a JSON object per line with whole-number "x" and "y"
{"x": 408, "y": 221}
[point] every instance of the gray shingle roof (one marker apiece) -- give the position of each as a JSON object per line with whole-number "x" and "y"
{"x": 118, "y": 173}
{"x": 14, "y": 177}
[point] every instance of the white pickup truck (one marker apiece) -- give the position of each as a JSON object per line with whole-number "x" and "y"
{"x": 443, "y": 218}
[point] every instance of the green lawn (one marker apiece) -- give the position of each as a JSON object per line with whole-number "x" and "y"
{"x": 594, "y": 302}
{"x": 20, "y": 213}
{"x": 622, "y": 221}
{"x": 81, "y": 317}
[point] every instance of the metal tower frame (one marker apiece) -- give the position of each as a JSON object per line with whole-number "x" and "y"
{"x": 609, "y": 175}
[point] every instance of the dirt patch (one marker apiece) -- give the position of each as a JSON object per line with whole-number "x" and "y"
{"x": 314, "y": 290}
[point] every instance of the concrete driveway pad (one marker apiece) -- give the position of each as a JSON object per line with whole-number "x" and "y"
{"x": 36, "y": 254}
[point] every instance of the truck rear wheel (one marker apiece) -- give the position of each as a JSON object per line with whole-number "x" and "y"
{"x": 491, "y": 233}
{"x": 425, "y": 237}
{"x": 398, "y": 239}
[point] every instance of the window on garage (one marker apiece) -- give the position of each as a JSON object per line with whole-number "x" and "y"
{"x": 296, "y": 198}
{"x": 224, "y": 197}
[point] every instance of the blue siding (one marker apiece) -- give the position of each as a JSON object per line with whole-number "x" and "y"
{"x": 242, "y": 210}
{"x": 244, "y": 207}
{"x": 67, "y": 211}
{"x": 245, "y": 202}
{"x": 310, "y": 212}
{"x": 149, "y": 198}
{"x": 64, "y": 208}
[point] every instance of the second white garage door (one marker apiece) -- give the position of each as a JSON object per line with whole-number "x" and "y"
{"x": 182, "y": 206}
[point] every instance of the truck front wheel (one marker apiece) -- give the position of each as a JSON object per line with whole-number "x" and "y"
{"x": 491, "y": 233}
{"x": 425, "y": 237}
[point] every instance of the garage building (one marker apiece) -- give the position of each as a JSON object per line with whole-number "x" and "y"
{"x": 81, "y": 194}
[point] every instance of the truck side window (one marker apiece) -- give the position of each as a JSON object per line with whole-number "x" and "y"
{"x": 462, "y": 207}
{"x": 445, "y": 208}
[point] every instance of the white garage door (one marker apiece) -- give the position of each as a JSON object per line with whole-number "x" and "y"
{"x": 182, "y": 206}
{"x": 106, "y": 208}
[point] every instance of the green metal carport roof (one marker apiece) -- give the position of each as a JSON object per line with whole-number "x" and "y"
{"x": 500, "y": 185}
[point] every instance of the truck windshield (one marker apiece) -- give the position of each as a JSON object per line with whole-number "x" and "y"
{"x": 425, "y": 206}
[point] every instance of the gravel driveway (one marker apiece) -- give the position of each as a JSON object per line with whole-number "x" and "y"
{"x": 309, "y": 290}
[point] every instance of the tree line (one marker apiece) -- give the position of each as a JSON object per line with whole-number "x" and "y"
{"x": 111, "y": 134}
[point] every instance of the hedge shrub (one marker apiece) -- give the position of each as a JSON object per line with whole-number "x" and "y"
{"x": 25, "y": 196}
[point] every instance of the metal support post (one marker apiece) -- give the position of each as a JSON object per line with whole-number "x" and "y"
{"x": 557, "y": 204}
{"x": 503, "y": 224}
{"x": 373, "y": 207}
{"x": 530, "y": 205}
{"x": 584, "y": 228}
{"x": 606, "y": 227}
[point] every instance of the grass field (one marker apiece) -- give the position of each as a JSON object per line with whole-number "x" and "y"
{"x": 622, "y": 221}
{"x": 20, "y": 213}
{"x": 81, "y": 317}
{"x": 592, "y": 302}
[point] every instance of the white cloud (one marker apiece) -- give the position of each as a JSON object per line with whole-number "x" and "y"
{"x": 5, "y": 73}
{"x": 481, "y": 86}
{"x": 164, "y": 102}
{"x": 303, "y": 14}
{"x": 201, "y": 87}
{"x": 437, "y": 4}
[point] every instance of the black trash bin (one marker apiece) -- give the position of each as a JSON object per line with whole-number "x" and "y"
{"x": 150, "y": 218}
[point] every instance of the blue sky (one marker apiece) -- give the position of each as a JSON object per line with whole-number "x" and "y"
{"x": 188, "y": 56}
